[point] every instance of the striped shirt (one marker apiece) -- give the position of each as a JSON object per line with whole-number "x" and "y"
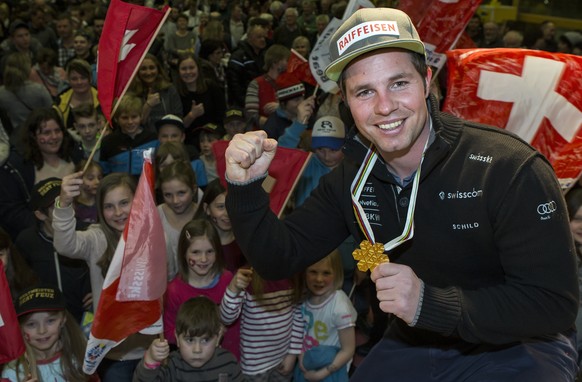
{"x": 270, "y": 329}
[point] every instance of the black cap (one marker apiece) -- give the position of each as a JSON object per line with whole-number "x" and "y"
{"x": 234, "y": 113}
{"x": 210, "y": 128}
{"x": 17, "y": 24}
{"x": 170, "y": 119}
{"x": 40, "y": 298}
{"x": 44, "y": 193}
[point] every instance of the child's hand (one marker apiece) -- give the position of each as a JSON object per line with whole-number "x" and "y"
{"x": 270, "y": 107}
{"x": 305, "y": 110}
{"x": 70, "y": 188}
{"x": 30, "y": 378}
{"x": 157, "y": 352}
{"x": 197, "y": 109}
{"x": 153, "y": 99}
{"x": 316, "y": 375}
{"x": 287, "y": 365}
{"x": 241, "y": 280}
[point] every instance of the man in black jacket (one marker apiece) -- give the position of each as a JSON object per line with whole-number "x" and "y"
{"x": 245, "y": 64}
{"x": 463, "y": 226}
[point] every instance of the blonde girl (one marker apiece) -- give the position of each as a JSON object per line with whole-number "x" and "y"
{"x": 177, "y": 185}
{"x": 200, "y": 272}
{"x": 55, "y": 344}
{"x": 330, "y": 340}
{"x": 96, "y": 246}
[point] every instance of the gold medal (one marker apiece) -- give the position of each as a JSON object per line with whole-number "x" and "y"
{"x": 369, "y": 255}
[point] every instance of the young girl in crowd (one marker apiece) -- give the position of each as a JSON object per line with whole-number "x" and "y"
{"x": 86, "y": 203}
{"x": 330, "y": 340}
{"x": 18, "y": 273}
{"x": 271, "y": 331}
{"x": 96, "y": 246}
{"x": 168, "y": 152}
{"x": 55, "y": 344}
{"x": 177, "y": 184}
{"x": 201, "y": 272}
{"x": 213, "y": 207}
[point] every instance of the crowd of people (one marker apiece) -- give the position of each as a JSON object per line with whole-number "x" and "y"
{"x": 238, "y": 307}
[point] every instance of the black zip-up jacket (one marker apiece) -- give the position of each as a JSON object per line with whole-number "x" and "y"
{"x": 491, "y": 237}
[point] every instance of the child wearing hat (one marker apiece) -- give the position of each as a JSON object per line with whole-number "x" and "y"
{"x": 234, "y": 122}
{"x": 35, "y": 243}
{"x": 327, "y": 139}
{"x": 206, "y": 135}
{"x": 170, "y": 128}
{"x": 55, "y": 344}
{"x": 294, "y": 109}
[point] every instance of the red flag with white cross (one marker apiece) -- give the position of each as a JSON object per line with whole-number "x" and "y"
{"x": 534, "y": 94}
{"x": 128, "y": 32}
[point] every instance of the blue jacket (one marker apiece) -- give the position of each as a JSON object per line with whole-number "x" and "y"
{"x": 121, "y": 153}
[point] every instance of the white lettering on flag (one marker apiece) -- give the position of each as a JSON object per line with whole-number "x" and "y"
{"x": 534, "y": 97}
{"x": 365, "y": 30}
{"x": 125, "y": 47}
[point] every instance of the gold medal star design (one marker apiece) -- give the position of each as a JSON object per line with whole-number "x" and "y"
{"x": 369, "y": 255}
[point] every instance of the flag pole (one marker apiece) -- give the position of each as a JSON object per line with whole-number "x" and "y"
{"x": 97, "y": 144}
{"x": 116, "y": 104}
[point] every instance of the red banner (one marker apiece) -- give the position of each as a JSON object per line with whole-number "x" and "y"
{"x": 440, "y": 23}
{"x": 10, "y": 335}
{"x": 534, "y": 94}
{"x": 128, "y": 33}
{"x": 136, "y": 279}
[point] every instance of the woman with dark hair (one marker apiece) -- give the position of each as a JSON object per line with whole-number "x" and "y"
{"x": 159, "y": 95}
{"x": 202, "y": 100}
{"x": 47, "y": 151}
{"x": 80, "y": 91}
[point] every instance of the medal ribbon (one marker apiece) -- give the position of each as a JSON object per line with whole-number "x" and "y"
{"x": 356, "y": 190}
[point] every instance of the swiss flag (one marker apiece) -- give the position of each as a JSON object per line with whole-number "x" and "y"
{"x": 284, "y": 173}
{"x": 136, "y": 279}
{"x": 440, "y": 23}
{"x": 534, "y": 94}
{"x": 128, "y": 33}
{"x": 10, "y": 335}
